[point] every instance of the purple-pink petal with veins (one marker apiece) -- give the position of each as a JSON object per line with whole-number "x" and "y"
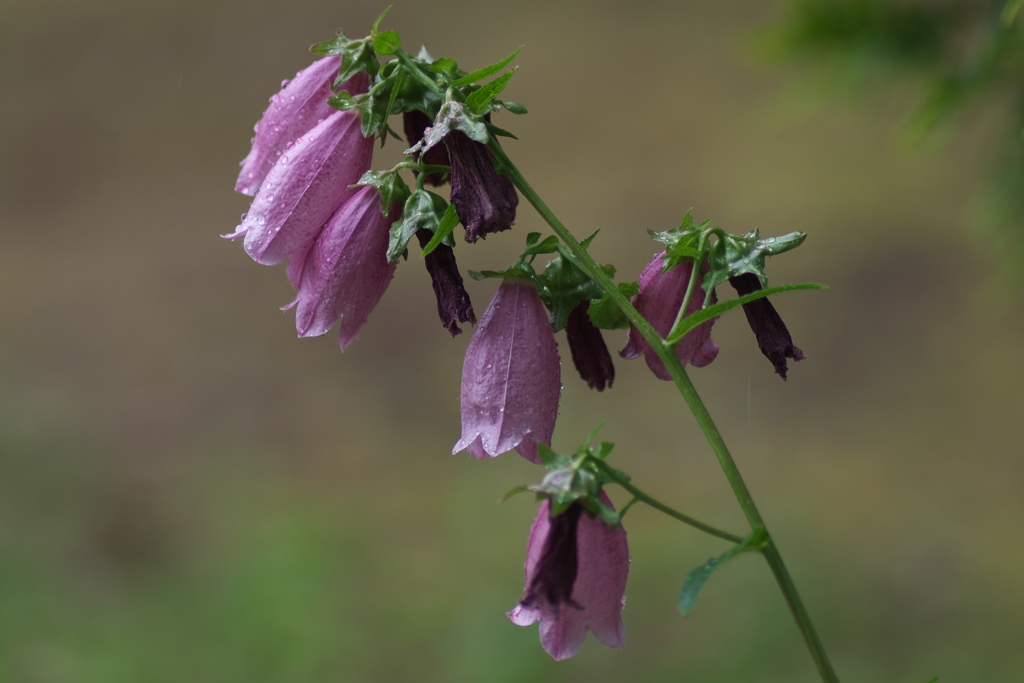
{"x": 305, "y": 187}
{"x": 346, "y": 271}
{"x": 661, "y": 294}
{"x": 602, "y": 570}
{"x": 511, "y": 377}
{"x": 295, "y": 110}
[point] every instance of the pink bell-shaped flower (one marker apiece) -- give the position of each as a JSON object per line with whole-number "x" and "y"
{"x": 346, "y": 271}
{"x": 576, "y": 568}
{"x": 304, "y": 188}
{"x": 511, "y": 377}
{"x": 301, "y": 104}
{"x": 661, "y": 295}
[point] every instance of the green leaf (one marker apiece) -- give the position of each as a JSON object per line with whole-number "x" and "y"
{"x": 448, "y": 222}
{"x": 604, "y": 313}
{"x": 423, "y": 210}
{"x": 535, "y": 246}
{"x": 399, "y": 80}
{"x": 376, "y": 24}
{"x": 694, "y": 319}
{"x": 548, "y": 457}
{"x": 335, "y": 46}
{"x": 361, "y": 58}
{"x": 733, "y": 255}
{"x": 480, "y": 101}
{"x": 696, "y": 579}
{"x": 453, "y": 115}
{"x": 483, "y": 73}
{"x": 683, "y": 243}
{"x": 514, "y": 492}
{"x": 513, "y": 107}
{"x": 387, "y": 43}
{"x": 390, "y": 185}
{"x": 563, "y": 285}
{"x": 444, "y": 65}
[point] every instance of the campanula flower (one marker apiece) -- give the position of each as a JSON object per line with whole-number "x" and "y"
{"x": 576, "y": 568}
{"x": 484, "y": 199}
{"x": 346, "y": 269}
{"x": 293, "y": 112}
{"x": 773, "y": 336}
{"x": 304, "y": 188}
{"x": 661, "y": 295}
{"x": 511, "y": 377}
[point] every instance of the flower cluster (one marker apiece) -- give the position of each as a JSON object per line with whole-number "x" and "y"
{"x": 315, "y": 204}
{"x": 342, "y": 229}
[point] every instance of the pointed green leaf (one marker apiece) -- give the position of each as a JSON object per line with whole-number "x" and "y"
{"x": 483, "y": 73}
{"x": 423, "y": 210}
{"x": 376, "y": 24}
{"x": 387, "y": 43}
{"x": 513, "y": 107}
{"x": 605, "y": 314}
{"x": 448, "y": 222}
{"x": 696, "y": 579}
{"x": 480, "y": 101}
{"x": 694, "y": 319}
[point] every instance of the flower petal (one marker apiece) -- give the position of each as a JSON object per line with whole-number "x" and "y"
{"x": 305, "y": 187}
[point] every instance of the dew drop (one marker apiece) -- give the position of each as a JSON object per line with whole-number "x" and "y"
{"x": 261, "y": 220}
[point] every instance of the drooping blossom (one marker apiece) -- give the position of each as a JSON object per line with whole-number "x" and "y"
{"x": 415, "y": 123}
{"x": 511, "y": 377}
{"x": 773, "y": 336}
{"x": 453, "y": 304}
{"x": 294, "y": 111}
{"x": 346, "y": 270}
{"x": 484, "y": 199}
{"x": 304, "y": 188}
{"x": 576, "y": 568}
{"x": 661, "y": 294}
{"x": 589, "y": 352}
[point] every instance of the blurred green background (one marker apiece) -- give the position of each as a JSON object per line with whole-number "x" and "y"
{"x": 190, "y": 493}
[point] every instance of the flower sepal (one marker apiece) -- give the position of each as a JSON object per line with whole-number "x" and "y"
{"x": 577, "y": 479}
{"x": 424, "y": 210}
{"x": 390, "y": 186}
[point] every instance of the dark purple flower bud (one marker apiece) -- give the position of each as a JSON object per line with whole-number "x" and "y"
{"x": 576, "y": 569}
{"x": 453, "y": 302}
{"x": 772, "y": 336}
{"x": 589, "y": 352}
{"x": 484, "y": 199}
{"x": 415, "y": 122}
{"x": 511, "y": 377}
{"x": 661, "y": 295}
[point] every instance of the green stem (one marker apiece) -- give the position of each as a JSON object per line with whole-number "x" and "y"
{"x": 661, "y": 507}
{"x": 693, "y": 401}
